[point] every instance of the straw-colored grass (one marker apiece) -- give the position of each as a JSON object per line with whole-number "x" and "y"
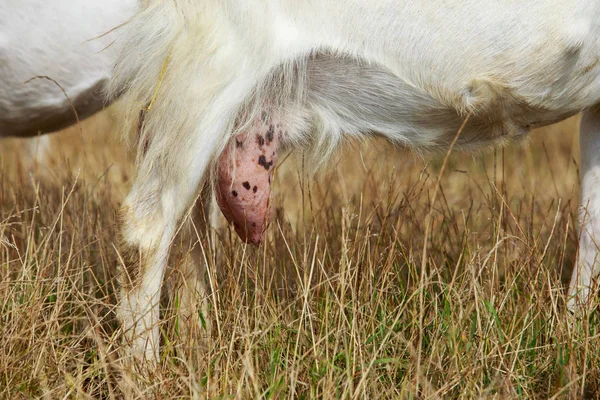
{"x": 335, "y": 304}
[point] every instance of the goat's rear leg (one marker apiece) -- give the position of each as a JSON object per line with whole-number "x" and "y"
{"x": 582, "y": 289}
{"x": 188, "y": 283}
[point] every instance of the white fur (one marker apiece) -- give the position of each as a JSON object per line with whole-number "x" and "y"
{"x": 59, "y": 40}
{"x": 587, "y": 266}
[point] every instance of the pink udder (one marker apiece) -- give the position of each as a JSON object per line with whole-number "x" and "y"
{"x": 245, "y": 171}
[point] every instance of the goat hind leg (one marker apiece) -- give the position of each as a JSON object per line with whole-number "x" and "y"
{"x": 150, "y": 215}
{"x": 187, "y": 283}
{"x": 159, "y": 196}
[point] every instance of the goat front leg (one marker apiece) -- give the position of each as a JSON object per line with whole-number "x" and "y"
{"x": 582, "y": 288}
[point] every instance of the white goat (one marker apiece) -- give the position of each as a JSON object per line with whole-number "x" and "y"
{"x": 207, "y": 71}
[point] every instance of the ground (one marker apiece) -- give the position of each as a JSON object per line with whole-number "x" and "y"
{"x": 335, "y": 304}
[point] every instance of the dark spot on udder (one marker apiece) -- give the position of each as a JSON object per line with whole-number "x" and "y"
{"x": 246, "y": 185}
{"x": 254, "y": 224}
{"x": 239, "y": 144}
{"x": 254, "y": 189}
{"x": 262, "y": 160}
{"x": 234, "y": 193}
{"x": 260, "y": 140}
{"x": 270, "y": 133}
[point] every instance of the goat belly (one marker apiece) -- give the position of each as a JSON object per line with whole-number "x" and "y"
{"x": 243, "y": 188}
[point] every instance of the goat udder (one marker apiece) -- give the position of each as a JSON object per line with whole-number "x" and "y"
{"x": 244, "y": 175}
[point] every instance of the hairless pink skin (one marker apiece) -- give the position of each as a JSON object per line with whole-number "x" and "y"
{"x": 244, "y": 176}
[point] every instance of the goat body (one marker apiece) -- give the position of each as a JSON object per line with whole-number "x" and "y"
{"x": 408, "y": 70}
{"x": 209, "y": 73}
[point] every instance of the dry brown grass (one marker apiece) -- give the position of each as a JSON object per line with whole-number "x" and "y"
{"x": 336, "y": 304}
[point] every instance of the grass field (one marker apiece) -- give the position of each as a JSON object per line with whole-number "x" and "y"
{"x": 335, "y": 304}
